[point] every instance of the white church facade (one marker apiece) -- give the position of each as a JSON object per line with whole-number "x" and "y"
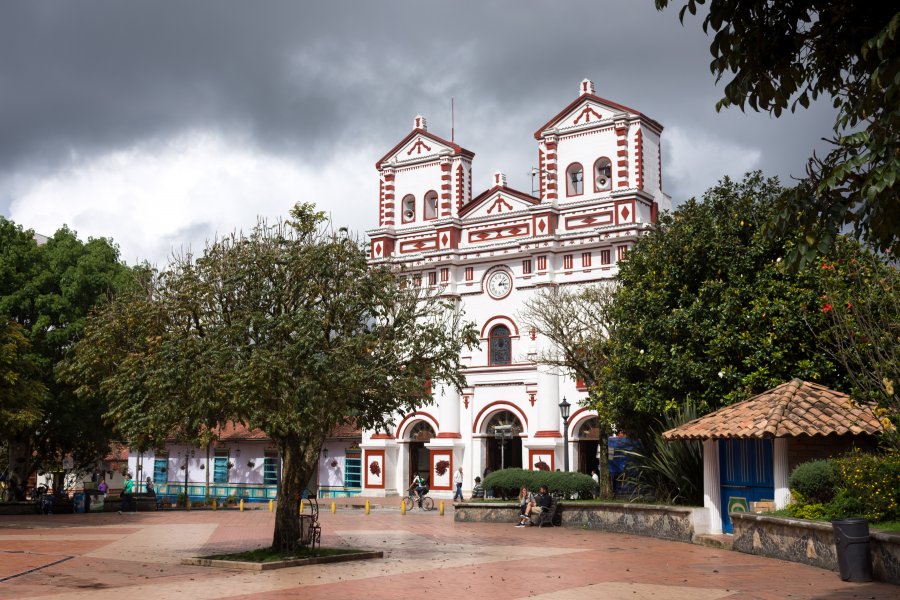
{"x": 599, "y": 168}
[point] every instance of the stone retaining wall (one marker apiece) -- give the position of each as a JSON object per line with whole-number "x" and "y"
{"x": 666, "y": 522}
{"x": 810, "y": 542}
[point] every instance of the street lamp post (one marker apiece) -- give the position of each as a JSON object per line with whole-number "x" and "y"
{"x": 564, "y": 413}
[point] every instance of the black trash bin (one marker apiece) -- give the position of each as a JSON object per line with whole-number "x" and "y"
{"x": 851, "y": 539}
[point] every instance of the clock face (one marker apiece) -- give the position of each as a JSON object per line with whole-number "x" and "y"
{"x": 499, "y": 284}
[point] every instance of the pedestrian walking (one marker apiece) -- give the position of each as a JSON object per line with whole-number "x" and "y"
{"x": 458, "y": 480}
{"x": 128, "y": 496}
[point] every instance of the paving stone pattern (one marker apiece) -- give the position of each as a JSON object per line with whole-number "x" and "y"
{"x": 105, "y": 556}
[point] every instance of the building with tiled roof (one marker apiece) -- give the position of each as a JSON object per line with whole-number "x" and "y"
{"x": 750, "y": 448}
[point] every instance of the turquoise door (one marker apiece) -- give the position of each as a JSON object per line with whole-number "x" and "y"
{"x": 745, "y": 475}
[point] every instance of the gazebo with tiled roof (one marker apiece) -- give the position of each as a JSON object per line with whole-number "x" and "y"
{"x": 802, "y": 421}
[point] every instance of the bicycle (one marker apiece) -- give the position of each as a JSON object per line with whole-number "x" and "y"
{"x": 426, "y": 503}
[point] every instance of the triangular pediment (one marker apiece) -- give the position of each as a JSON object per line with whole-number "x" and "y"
{"x": 496, "y": 202}
{"x": 418, "y": 146}
{"x": 586, "y": 111}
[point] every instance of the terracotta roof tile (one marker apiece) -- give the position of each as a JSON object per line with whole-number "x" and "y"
{"x": 792, "y": 409}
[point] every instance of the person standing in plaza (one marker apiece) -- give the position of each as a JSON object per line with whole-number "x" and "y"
{"x": 127, "y": 495}
{"x": 458, "y": 480}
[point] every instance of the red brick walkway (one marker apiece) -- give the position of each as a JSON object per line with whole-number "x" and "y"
{"x": 426, "y": 555}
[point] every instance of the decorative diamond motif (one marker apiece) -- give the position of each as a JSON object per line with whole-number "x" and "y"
{"x": 542, "y": 225}
{"x": 625, "y": 213}
{"x": 378, "y": 249}
{"x": 444, "y": 240}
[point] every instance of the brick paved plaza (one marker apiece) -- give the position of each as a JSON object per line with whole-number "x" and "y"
{"x": 101, "y": 556}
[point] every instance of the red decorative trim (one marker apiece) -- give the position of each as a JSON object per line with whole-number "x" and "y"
{"x": 449, "y": 435}
{"x": 590, "y": 220}
{"x": 537, "y": 454}
{"x": 459, "y": 187}
{"x": 382, "y": 436}
{"x": 580, "y": 415}
{"x": 584, "y": 98}
{"x": 371, "y": 454}
{"x": 531, "y": 397}
{"x": 466, "y": 401}
{"x": 420, "y": 414}
{"x": 513, "y": 408}
{"x": 485, "y": 196}
{"x": 456, "y": 149}
{"x": 418, "y": 245}
{"x": 436, "y": 455}
{"x": 496, "y": 319}
{"x": 498, "y": 233}
{"x": 547, "y": 434}
{"x": 639, "y": 159}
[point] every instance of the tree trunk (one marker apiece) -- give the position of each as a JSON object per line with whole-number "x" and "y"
{"x": 299, "y": 460}
{"x": 606, "y": 486}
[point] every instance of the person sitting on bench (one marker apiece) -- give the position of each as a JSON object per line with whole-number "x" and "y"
{"x": 541, "y": 502}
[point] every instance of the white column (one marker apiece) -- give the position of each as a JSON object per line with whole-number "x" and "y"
{"x": 712, "y": 497}
{"x": 449, "y": 409}
{"x": 547, "y": 392}
{"x": 780, "y": 473}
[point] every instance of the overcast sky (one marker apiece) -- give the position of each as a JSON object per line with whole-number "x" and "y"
{"x": 159, "y": 124}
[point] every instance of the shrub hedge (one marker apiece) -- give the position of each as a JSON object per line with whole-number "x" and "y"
{"x": 814, "y": 481}
{"x": 863, "y": 485}
{"x": 506, "y": 483}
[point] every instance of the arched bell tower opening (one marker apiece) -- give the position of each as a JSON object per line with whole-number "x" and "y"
{"x": 587, "y": 441}
{"x": 419, "y": 456}
{"x": 504, "y": 441}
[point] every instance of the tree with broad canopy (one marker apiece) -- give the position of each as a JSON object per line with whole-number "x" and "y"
{"x": 287, "y": 329}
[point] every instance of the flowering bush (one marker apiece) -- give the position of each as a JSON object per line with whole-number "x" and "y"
{"x": 855, "y": 485}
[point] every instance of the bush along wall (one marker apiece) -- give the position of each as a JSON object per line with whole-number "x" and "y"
{"x": 855, "y": 485}
{"x": 508, "y": 482}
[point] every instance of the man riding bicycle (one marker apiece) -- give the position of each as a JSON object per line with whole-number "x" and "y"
{"x": 419, "y": 484}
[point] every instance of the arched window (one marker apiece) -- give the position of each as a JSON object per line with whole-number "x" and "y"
{"x": 421, "y": 432}
{"x": 500, "y": 350}
{"x": 408, "y": 208}
{"x": 431, "y": 205}
{"x": 506, "y": 420}
{"x": 602, "y": 175}
{"x": 575, "y": 180}
{"x": 589, "y": 430}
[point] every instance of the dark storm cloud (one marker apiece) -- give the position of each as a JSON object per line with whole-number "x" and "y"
{"x": 303, "y": 79}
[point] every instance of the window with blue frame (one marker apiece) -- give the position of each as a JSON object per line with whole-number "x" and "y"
{"x": 352, "y": 472}
{"x": 160, "y": 469}
{"x": 270, "y": 469}
{"x": 220, "y": 467}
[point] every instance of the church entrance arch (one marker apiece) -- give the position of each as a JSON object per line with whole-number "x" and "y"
{"x": 419, "y": 456}
{"x": 504, "y": 441}
{"x": 587, "y": 441}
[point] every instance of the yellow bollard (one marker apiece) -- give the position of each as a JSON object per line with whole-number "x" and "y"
{"x": 214, "y": 504}
{"x": 301, "y": 506}
{"x": 333, "y": 508}
{"x": 442, "y": 508}
{"x": 367, "y": 507}
{"x": 270, "y": 505}
{"x": 402, "y": 507}
{"x": 242, "y": 505}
